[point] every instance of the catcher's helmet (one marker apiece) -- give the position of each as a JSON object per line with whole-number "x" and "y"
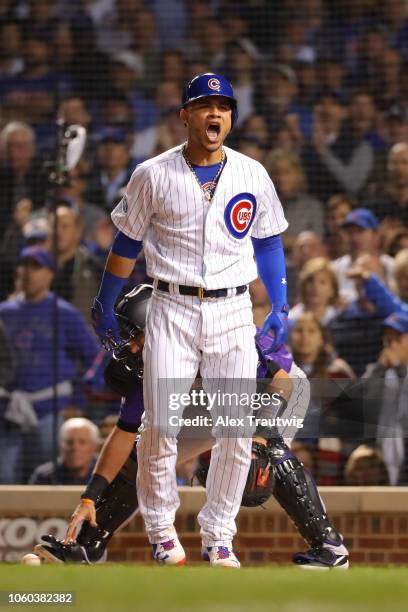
{"x": 210, "y": 84}
{"x": 124, "y": 366}
{"x": 131, "y": 311}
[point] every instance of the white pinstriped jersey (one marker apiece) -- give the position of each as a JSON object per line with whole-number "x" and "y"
{"x": 188, "y": 240}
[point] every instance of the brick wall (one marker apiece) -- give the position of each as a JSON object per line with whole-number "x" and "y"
{"x": 374, "y": 521}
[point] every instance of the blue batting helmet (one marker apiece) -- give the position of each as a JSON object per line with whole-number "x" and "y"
{"x": 210, "y": 84}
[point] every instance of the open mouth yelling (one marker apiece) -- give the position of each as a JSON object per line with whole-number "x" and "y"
{"x": 213, "y": 131}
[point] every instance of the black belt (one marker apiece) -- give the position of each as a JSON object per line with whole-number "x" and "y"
{"x": 200, "y": 292}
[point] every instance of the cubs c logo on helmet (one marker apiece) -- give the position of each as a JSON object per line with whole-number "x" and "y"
{"x": 214, "y": 84}
{"x": 239, "y": 214}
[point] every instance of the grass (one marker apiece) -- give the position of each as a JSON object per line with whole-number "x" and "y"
{"x": 114, "y": 588}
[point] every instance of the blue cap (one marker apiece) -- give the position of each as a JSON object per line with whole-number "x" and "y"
{"x": 398, "y": 321}
{"x": 38, "y": 254}
{"x": 210, "y": 84}
{"x": 362, "y": 217}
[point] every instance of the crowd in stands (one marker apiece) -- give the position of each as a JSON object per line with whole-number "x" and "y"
{"x": 322, "y": 91}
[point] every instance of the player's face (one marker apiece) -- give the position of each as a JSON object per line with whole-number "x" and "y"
{"x": 208, "y": 121}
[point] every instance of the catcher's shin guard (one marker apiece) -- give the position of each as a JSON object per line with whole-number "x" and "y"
{"x": 114, "y": 508}
{"x": 297, "y": 493}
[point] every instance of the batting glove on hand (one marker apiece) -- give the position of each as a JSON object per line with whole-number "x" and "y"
{"x": 277, "y": 322}
{"x": 105, "y": 325}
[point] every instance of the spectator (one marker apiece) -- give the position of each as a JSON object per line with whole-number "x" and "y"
{"x": 90, "y": 66}
{"x": 314, "y": 353}
{"x": 78, "y": 271}
{"x": 170, "y": 131}
{"x": 146, "y": 45}
{"x": 397, "y": 242}
{"x": 117, "y": 112}
{"x": 251, "y": 146}
{"x": 313, "y": 350}
{"x": 366, "y": 467}
{"x": 303, "y": 212}
{"x": 31, "y": 92}
{"x": 384, "y": 300}
{"x": 357, "y": 329}
{"x": 116, "y": 34}
{"x": 242, "y": 58}
{"x": 363, "y": 118}
{"x": 390, "y": 200}
{"x": 212, "y": 40}
{"x": 279, "y": 89}
{"x": 394, "y": 14}
{"x": 319, "y": 291}
{"x": 387, "y": 379}
{"x": 114, "y": 168}
{"x": 28, "y": 324}
{"x": 11, "y": 62}
{"x": 361, "y": 229}
{"x": 12, "y": 243}
{"x": 337, "y": 159}
{"x": 330, "y": 74}
{"x": 78, "y": 446}
{"x": 337, "y": 209}
{"x": 167, "y": 100}
{"x": 173, "y": 67}
{"x": 21, "y": 175}
{"x": 396, "y": 125}
{"x": 256, "y": 127}
{"x": 74, "y": 110}
{"x": 306, "y": 246}
{"x": 171, "y": 21}
{"x": 74, "y": 196}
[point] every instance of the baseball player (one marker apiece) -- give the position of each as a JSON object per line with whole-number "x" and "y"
{"x": 110, "y": 499}
{"x": 201, "y": 212}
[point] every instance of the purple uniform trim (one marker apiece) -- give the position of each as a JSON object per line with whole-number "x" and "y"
{"x": 282, "y": 357}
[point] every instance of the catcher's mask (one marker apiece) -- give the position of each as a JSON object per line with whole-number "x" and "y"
{"x": 130, "y": 313}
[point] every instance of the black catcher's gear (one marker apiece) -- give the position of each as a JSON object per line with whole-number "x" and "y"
{"x": 120, "y": 372}
{"x": 260, "y": 480}
{"x": 131, "y": 315}
{"x": 115, "y": 507}
{"x": 297, "y": 493}
{"x": 131, "y": 311}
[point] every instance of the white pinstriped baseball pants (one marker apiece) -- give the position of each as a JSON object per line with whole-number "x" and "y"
{"x": 182, "y": 336}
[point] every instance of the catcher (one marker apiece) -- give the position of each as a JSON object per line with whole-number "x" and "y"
{"x": 110, "y": 499}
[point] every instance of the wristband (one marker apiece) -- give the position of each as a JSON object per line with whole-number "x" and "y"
{"x": 90, "y": 502}
{"x": 95, "y": 488}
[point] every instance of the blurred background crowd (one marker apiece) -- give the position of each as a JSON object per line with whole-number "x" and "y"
{"x": 322, "y": 89}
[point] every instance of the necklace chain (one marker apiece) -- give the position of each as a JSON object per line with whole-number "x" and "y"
{"x": 208, "y": 193}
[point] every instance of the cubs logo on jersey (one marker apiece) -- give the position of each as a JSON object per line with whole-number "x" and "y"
{"x": 214, "y": 84}
{"x": 239, "y": 214}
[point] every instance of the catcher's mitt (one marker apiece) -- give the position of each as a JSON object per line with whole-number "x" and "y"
{"x": 260, "y": 480}
{"x": 120, "y": 374}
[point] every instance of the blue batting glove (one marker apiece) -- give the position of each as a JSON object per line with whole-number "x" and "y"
{"x": 277, "y": 322}
{"x": 105, "y": 325}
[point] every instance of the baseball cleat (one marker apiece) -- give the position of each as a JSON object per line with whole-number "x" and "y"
{"x": 56, "y": 552}
{"x": 169, "y": 552}
{"x": 323, "y": 558}
{"x": 220, "y": 556}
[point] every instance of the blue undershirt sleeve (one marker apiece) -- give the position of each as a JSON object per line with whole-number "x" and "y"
{"x": 270, "y": 260}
